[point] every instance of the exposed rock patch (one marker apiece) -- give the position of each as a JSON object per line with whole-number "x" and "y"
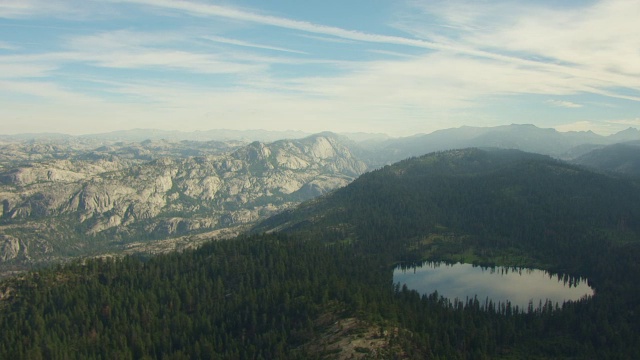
{"x": 114, "y": 194}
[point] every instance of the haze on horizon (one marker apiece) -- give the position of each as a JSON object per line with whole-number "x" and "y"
{"x": 394, "y": 67}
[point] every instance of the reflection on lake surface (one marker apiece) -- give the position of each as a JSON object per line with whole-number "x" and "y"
{"x": 498, "y": 284}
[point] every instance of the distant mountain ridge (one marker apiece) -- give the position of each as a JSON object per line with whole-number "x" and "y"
{"x": 524, "y": 137}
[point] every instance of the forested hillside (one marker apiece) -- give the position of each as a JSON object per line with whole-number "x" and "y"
{"x": 297, "y": 293}
{"x": 621, "y": 158}
{"x": 489, "y": 199}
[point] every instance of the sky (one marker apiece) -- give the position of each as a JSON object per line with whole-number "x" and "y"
{"x": 397, "y": 67}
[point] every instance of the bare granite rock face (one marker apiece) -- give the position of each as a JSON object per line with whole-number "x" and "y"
{"x": 68, "y": 201}
{"x": 10, "y": 247}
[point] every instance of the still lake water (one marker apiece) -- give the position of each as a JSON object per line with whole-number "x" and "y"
{"x": 499, "y": 284}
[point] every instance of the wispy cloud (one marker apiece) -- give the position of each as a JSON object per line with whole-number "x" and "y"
{"x": 601, "y": 128}
{"x": 223, "y": 40}
{"x": 137, "y": 49}
{"x": 17, "y": 9}
{"x": 50, "y": 94}
{"x": 590, "y": 44}
{"x": 626, "y": 122}
{"x": 326, "y": 39}
{"x": 16, "y": 70}
{"x": 587, "y": 36}
{"x": 564, "y": 104}
{"x": 6, "y": 46}
{"x": 170, "y": 59}
{"x": 201, "y": 9}
{"x": 30, "y": 66}
{"x": 541, "y": 32}
{"x": 393, "y": 53}
{"x": 128, "y": 49}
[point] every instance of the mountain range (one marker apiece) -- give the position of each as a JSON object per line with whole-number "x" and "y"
{"x": 68, "y": 196}
{"x": 529, "y": 138}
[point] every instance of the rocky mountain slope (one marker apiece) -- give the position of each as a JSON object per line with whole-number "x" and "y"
{"x": 93, "y": 201}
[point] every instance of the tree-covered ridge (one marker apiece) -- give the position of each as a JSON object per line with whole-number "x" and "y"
{"x": 498, "y": 198}
{"x": 621, "y": 158}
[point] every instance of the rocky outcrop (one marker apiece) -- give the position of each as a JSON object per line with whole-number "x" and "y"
{"x": 10, "y": 247}
{"x": 104, "y": 196}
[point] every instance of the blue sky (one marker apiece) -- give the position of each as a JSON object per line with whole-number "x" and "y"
{"x": 396, "y": 67}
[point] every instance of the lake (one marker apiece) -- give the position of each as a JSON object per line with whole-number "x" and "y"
{"x": 500, "y": 284}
